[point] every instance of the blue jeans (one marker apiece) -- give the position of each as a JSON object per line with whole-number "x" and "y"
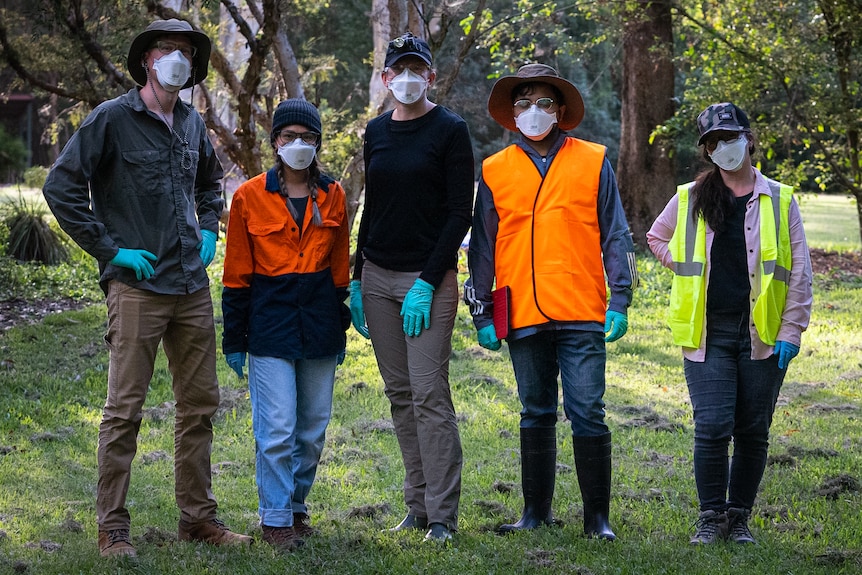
{"x": 579, "y": 358}
{"x": 291, "y": 403}
{"x": 733, "y": 396}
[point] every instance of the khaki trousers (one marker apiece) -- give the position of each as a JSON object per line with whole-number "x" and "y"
{"x": 138, "y": 321}
{"x": 415, "y": 372}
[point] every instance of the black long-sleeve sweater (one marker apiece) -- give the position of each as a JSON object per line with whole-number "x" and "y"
{"x": 418, "y": 194}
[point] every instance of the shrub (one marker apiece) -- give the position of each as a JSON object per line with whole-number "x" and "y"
{"x": 31, "y": 238}
{"x": 13, "y": 154}
{"x": 35, "y": 176}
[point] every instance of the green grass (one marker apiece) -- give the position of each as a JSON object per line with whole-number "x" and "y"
{"x": 50, "y": 408}
{"x": 831, "y": 221}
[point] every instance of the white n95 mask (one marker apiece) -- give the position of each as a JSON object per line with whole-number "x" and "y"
{"x": 408, "y": 86}
{"x": 173, "y": 71}
{"x": 297, "y": 154}
{"x": 534, "y": 123}
{"x": 729, "y": 155}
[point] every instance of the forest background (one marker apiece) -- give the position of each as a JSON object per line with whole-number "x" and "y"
{"x": 645, "y": 68}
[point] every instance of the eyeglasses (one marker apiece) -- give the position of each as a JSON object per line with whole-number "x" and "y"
{"x": 542, "y": 103}
{"x": 416, "y": 67}
{"x": 168, "y": 46}
{"x": 288, "y": 136}
{"x": 712, "y": 143}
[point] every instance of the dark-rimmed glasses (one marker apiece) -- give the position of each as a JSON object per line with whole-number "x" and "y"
{"x": 169, "y": 46}
{"x": 288, "y": 136}
{"x": 542, "y": 103}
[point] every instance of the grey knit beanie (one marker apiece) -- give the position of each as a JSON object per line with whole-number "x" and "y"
{"x": 296, "y": 111}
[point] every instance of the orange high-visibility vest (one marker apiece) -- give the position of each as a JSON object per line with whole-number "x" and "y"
{"x": 548, "y": 248}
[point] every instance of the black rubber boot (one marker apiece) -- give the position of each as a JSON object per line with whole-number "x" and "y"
{"x": 538, "y": 472}
{"x": 593, "y": 463}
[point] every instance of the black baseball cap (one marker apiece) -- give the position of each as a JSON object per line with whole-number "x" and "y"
{"x": 407, "y": 45}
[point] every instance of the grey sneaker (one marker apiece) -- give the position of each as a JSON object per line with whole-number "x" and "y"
{"x": 737, "y": 529}
{"x": 711, "y": 527}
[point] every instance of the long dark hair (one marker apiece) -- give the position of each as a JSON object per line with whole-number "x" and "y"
{"x": 710, "y": 197}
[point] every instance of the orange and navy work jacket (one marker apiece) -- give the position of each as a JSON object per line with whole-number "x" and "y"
{"x": 284, "y": 285}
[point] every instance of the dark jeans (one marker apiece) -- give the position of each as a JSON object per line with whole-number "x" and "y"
{"x": 733, "y": 396}
{"x": 578, "y": 357}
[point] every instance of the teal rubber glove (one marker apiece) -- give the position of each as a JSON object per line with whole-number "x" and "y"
{"x": 341, "y": 355}
{"x": 616, "y": 325}
{"x": 785, "y": 352}
{"x": 139, "y": 260}
{"x": 236, "y": 361}
{"x": 357, "y": 313}
{"x": 207, "y": 247}
{"x": 416, "y": 309}
{"x": 488, "y": 338}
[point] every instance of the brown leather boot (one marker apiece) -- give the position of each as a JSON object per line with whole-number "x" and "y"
{"x": 213, "y": 532}
{"x": 302, "y": 525}
{"x": 282, "y": 538}
{"x": 116, "y": 543}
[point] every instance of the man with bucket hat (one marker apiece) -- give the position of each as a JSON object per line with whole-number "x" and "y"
{"x": 138, "y": 188}
{"x": 549, "y": 227}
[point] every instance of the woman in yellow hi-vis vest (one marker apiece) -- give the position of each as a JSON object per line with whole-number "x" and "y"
{"x": 740, "y": 300}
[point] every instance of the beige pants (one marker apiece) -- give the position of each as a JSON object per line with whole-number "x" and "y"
{"x": 415, "y": 372}
{"x": 138, "y": 321}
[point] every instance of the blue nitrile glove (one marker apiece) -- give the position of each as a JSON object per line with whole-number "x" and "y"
{"x": 416, "y": 309}
{"x": 616, "y": 325}
{"x": 357, "y": 313}
{"x": 236, "y": 361}
{"x": 207, "y": 246}
{"x": 785, "y": 352}
{"x": 488, "y": 338}
{"x": 138, "y": 260}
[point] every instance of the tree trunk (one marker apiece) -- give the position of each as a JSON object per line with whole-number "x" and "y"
{"x": 646, "y": 168}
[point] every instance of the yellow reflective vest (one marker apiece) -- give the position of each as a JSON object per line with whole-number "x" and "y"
{"x": 688, "y": 250}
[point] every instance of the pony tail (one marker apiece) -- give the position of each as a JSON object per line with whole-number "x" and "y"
{"x": 279, "y": 165}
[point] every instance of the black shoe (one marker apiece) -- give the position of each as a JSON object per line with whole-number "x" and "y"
{"x": 410, "y": 522}
{"x": 711, "y": 527}
{"x": 438, "y": 533}
{"x": 737, "y": 526}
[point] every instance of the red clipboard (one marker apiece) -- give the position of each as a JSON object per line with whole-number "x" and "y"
{"x": 502, "y": 300}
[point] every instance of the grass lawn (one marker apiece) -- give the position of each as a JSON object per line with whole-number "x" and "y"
{"x": 807, "y": 520}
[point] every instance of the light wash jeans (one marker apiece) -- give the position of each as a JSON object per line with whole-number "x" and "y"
{"x": 578, "y": 357}
{"x": 291, "y": 403}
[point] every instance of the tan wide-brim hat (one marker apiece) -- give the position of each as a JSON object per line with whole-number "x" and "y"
{"x": 159, "y": 28}
{"x": 500, "y": 100}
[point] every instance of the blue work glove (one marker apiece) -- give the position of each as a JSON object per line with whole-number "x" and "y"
{"x": 416, "y": 309}
{"x": 616, "y": 325}
{"x": 138, "y": 260}
{"x": 236, "y": 361}
{"x": 488, "y": 338}
{"x": 357, "y": 313}
{"x": 785, "y": 352}
{"x": 207, "y": 246}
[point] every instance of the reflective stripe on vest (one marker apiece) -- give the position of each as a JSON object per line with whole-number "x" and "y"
{"x": 688, "y": 250}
